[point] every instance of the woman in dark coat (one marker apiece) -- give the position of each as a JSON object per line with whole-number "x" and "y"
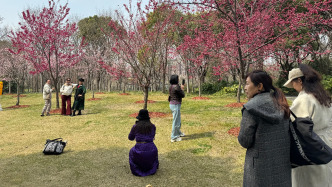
{"x": 143, "y": 157}
{"x": 264, "y": 133}
{"x": 79, "y": 98}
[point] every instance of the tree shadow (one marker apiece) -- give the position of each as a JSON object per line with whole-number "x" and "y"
{"x": 198, "y": 135}
{"x": 110, "y": 167}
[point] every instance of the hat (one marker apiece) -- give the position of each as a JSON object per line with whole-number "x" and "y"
{"x": 82, "y": 80}
{"x": 293, "y": 74}
{"x": 143, "y": 115}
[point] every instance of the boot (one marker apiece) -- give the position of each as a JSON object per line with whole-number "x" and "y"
{"x": 79, "y": 112}
{"x": 73, "y": 114}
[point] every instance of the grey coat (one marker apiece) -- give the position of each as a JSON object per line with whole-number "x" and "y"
{"x": 264, "y": 132}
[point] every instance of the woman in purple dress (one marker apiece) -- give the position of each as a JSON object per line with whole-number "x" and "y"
{"x": 143, "y": 157}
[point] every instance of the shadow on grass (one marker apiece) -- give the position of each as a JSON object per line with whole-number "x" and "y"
{"x": 198, "y": 135}
{"x": 110, "y": 167}
{"x": 83, "y": 114}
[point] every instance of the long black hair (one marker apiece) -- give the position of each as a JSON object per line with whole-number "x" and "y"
{"x": 311, "y": 83}
{"x": 144, "y": 126}
{"x": 259, "y": 76}
{"x": 174, "y": 79}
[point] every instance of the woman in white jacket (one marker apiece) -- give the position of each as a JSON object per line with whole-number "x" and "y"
{"x": 66, "y": 90}
{"x": 314, "y": 102}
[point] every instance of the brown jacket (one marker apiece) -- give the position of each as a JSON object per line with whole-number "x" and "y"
{"x": 176, "y": 93}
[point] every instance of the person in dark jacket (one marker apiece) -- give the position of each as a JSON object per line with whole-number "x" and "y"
{"x": 79, "y": 98}
{"x": 143, "y": 157}
{"x": 175, "y": 100}
{"x": 265, "y": 134}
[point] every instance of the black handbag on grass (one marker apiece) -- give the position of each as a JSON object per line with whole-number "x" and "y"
{"x": 307, "y": 148}
{"x": 54, "y": 147}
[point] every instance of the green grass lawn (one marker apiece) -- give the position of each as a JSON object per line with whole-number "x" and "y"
{"x": 98, "y": 145}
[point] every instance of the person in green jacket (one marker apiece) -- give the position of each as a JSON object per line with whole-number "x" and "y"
{"x": 79, "y": 98}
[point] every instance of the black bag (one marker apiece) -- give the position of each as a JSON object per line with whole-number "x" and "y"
{"x": 54, "y": 147}
{"x": 307, "y": 148}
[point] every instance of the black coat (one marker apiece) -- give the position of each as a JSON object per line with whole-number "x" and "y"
{"x": 79, "y": 100}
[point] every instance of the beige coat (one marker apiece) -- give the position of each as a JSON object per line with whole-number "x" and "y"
{"x": 306, "y": 105}
{"x": 47, "y": 92}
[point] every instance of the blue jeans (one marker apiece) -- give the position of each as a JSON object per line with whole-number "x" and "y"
{"x": 176, "y": 132}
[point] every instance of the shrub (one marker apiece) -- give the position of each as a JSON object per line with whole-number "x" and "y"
{"x": 231, "y": 89}
{"x": 6, "y": 87}
{"x": 211, "y": 88}
{"x": 327, "y": 83}
{"x": 228, "y": 90}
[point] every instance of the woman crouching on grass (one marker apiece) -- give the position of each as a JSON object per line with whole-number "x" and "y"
{"x": 264, "y": 132}
{"x": 143, "y": 157}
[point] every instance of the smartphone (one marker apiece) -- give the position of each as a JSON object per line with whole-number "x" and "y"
{"x": 183, "y": 81}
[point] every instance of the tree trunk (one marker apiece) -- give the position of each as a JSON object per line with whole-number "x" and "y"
{"x": 29, "y": 83}
{"x": 93, "y": 91}
{"x": 146, "y": 95}
{"x": 41, "y": 83}
{"x": 99, "y": 85}
{"x": 238, "y": 95}
{"x": 199, "y": 86}
{"x": 124, "y": 87}
{"x": 164, "y": 81}
{"x": 18, "y": 94}
{"x": 22, "y": 86}
{"x": 57, "y": 95}
{"x": 188, "y": 89}
{"x": 109, "y": 85}
{"x": 192, "y": 85}
{"x": 10, "y": 87}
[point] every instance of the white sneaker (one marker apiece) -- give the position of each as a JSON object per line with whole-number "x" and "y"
{"x": 182, "y": 134}
{"x": 176, "y": 139}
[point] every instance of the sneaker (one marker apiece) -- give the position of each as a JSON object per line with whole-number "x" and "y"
{"x": 182, "y": 134}
{"x": 42, "y": 115}
{"x": 176, "y": 139}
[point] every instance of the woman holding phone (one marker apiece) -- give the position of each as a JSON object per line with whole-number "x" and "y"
{"x": 176, "y": 94}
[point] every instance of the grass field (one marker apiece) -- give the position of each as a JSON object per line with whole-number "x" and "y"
{"x": 98, "y": 145}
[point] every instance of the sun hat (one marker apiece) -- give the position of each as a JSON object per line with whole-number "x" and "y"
{"x": 293, "y": 74}
{"x": 143, "y": 115}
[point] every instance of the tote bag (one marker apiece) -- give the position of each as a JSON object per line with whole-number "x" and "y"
{"x": 307, "y": 148}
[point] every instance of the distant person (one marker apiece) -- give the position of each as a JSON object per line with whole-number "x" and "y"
{"x": 47, "y": 96}
{"x": 79, "y": 98}
{"x": 143, "y": 157}
{"x": 176, "y": 94}
{"x": 265, "y": 134}
{"x": 314, "y": 102}
{"x": 66, "y": 90}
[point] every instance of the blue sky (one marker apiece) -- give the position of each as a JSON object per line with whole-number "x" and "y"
{"x": 10, "y": 10}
